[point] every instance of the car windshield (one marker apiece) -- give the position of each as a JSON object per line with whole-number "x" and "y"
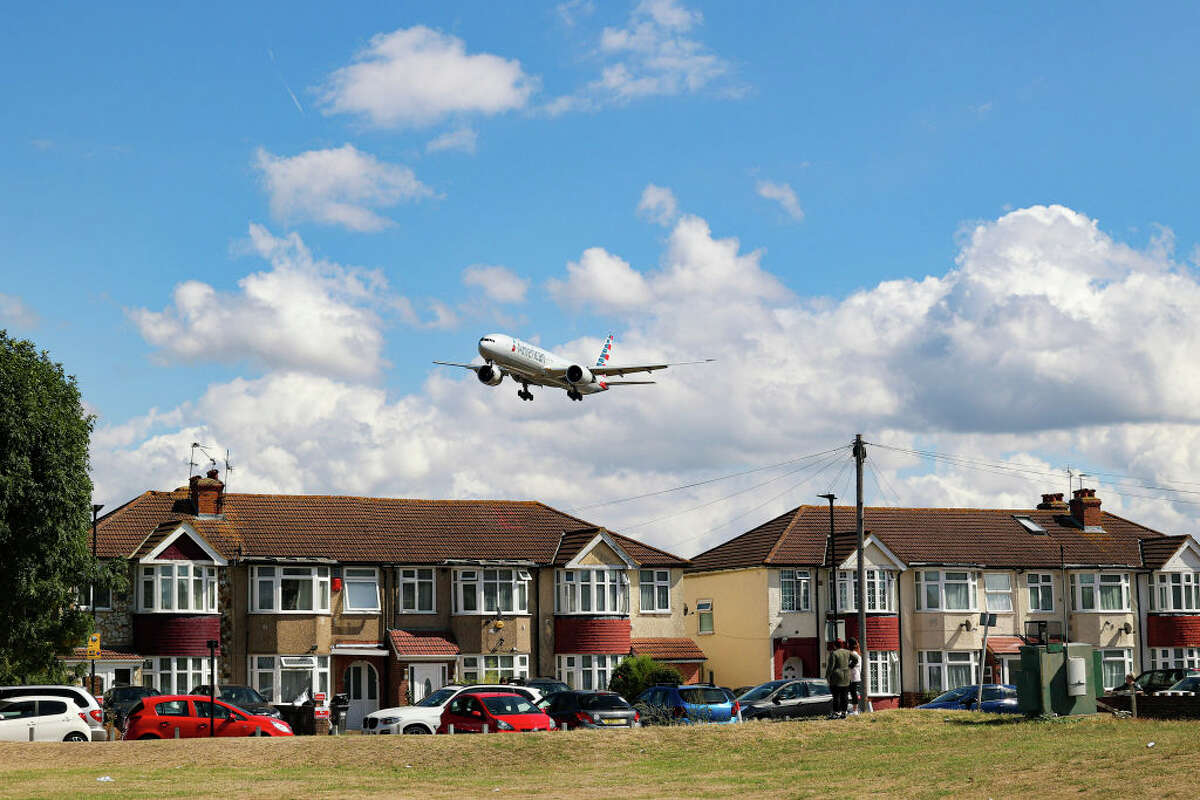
{"x": 549, "y": 687}
{"x": 601, "y": 702}
{"x": 1187, "y": 685}
{"x": 952, "y": 695}
{"x": 703, "y": 696}
{"x": 759, "y": 692}
{"x": 509, "y": 705}
{"x": 124, "y": 694}
{"x": 437, "y": 698}
{"x": 241, "y": 696}
{"x": 818, "y": 688}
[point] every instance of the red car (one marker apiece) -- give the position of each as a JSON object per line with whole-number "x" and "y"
{"x": 161, "y": 716}
{"x": 470, "y": 712}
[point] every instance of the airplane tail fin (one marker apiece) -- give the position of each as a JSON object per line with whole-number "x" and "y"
{"x": 605, "y": 352}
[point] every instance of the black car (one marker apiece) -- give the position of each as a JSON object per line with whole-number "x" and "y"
{"x": 243, "y": 697}
{"x": 588, "y": 709}
{"x": 119, "y": 700}
{"x": 547, "y": 686}
{"x": 1156, "y": 680}
{"x": 787, "y": 699}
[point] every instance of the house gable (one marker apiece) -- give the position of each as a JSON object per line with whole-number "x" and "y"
{"x": 1185, "y": 559}
{"x": 183, "y": 543}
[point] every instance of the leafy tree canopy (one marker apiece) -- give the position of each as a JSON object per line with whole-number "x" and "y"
{"x": 45, "y": 512}
{"x": 633, "y": 675}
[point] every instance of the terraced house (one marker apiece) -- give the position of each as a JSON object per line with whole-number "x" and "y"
{"x": 769, "y": 600}
{"x": 384, "y": 599}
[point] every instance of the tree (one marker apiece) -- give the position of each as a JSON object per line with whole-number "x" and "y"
{"x": 633, "y": 675}
{"x": 45, "y": 512}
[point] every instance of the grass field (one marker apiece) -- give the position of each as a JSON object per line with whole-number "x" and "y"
{"x": 898, "y": 753}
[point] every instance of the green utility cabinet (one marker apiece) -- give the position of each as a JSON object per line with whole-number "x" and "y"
{"x": 1059, "y": 679}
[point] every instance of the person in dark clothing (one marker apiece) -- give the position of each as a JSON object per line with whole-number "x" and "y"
{"x": 837, "y": 672}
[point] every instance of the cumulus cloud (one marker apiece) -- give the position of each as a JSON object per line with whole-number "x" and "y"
{"x": 339, "y": 186}
{"x": 784, "y": 195}
{"x": 1045, "y": 342}
{"x": 658, "y": 205}
{"x": 414, "y": 77}
{"x": 498, "y": 283}
{"x": 16, "y": 312}
{"x": 461, "y": 139}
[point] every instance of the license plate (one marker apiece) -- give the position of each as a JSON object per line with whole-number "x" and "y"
{"x": 611, "y": 721}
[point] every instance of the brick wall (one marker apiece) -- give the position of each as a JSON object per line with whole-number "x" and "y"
{"x": 1173, "y": 631}
{"x": 175, "y": 634}
{"x": 590, "y": 635}
{"x": 883, "y": 630}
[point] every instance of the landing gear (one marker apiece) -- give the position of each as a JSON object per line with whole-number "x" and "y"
{"x": 524, "y": 392}
{"x": 574, "y": 395}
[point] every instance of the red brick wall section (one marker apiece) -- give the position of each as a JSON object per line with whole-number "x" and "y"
{"x": 804, "y": 648}
{"x": 175, "y": 634}
{"x": 884, "y": 703}
{"x": 691, "y": 671}
{"x": 1172, "y": 631}
{"x": 883, "y": 630}
{"x": 590, "y": 635}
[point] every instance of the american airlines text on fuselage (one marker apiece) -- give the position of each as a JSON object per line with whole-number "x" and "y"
{"x": 531, "y": 353}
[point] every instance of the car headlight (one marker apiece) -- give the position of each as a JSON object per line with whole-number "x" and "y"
{"x": 388, "y": 720}
{"x": 501, "y": 725}
{"x": 281, "y": 726}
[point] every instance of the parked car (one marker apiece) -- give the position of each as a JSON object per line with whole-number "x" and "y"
{"x": 1189, "y": 684}
{"x": 243, "y": 697}
{"x": 118, "y": 700}
{"x": 547, "y": 686}
{"x": 81, "y": 697}
{"x": 426, "y": 716}
{"x": 51, "y": 718}
{"x": 998, "y": 698}
{"x": 787, "y": 699}
{"x": 1156, "y": 680}
{"x": 688, "y": 704}
{"x": 161, "y": 716}
{"x": 477, "y": 711}
{"x": 592, "y": 709}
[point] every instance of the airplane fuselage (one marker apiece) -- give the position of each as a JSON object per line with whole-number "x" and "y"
{"x": 530, "y": 363}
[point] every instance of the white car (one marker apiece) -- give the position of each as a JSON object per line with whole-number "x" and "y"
{"x": 77, "y": 695}
{"x": 426, "y": 716}
{"x": 42, "y": 718}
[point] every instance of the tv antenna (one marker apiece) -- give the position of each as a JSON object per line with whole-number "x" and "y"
{"x": 204, "y": 449}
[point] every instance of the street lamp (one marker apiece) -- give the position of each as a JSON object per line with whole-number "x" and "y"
{"x": 92, "y": 589}
{"x": 833, "y": 573}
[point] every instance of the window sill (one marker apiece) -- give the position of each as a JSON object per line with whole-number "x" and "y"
{"x": 367, "y": 612}
{"x": 408, "y": 612}
{"x": 947, "y": 611}
{"x": 292, "y": 613}
{"x": 656, "y": 613}
{"x": 1103, "y": 611}
{"x": 174, "y": 611}
{"x": 490, "y": 614}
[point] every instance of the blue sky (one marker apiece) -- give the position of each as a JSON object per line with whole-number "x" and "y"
{"x": 847, "y": 146}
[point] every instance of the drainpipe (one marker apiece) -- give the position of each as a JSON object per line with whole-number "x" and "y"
{"x": 1067, "y": 598}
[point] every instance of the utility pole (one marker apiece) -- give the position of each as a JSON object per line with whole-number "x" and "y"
{"x": 860, "y": 455}
{"x": 92, "y": 590}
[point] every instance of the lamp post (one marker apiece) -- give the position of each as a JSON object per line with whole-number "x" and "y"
{"x": 833, "y": 572}
{"x": 212, "y": 684}
{"x": 92, "y": 589}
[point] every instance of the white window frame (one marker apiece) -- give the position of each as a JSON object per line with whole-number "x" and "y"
{"x": 882, "y": 676}
{"x": 598, "y": 586}
{"x": 415, "y": 577}
{"x": 87, "y": 595}
{"x": 274, "y": 665}
{"x": 704, "y": 608}
{"x": 1174, "y": 657}
{"x": 660, "y": 587}
{"x": 879, "y": 582}
{"x": 274, "y": 575}
{"x": 1165, "y": 586}
{"x": 360, "y": 575}
{"x": 480, "y": 578}
{"x": 478, "y": 667}
{"x": 588, "y": 670}
{"x": 1040, "y": 584}
{"x": 927, "y": 578}
{"x": 157, "y": 574}
{"x": 928, "y": 660}
{"x": 1114, "y": 655}
{"x": 990, "y": 594}
{"x": 801, "y": 590}
{"x": 1095, "y": 580}
{"x": 193, "y": 669}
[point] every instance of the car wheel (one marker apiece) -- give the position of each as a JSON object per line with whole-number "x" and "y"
{"x": 416, "y": 730}
{"x": 75, "y": 736}
{"x": 145, "y": 736}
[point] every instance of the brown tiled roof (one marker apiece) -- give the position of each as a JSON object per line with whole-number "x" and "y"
{"x": 667, "y": 649}
{"x": 423, "y": 643}
{"x": 1156, "y": 552}
{"x": 363, "y": 529}
{"x": 984, "y": 537}
{"x": 105, "y": 655}
{"x": 644, "y": 555}
{"x": 1005, "y": 645}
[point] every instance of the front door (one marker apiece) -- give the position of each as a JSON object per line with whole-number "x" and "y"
{"x": 425, "y": 679}
{"x": 362, "y": 689}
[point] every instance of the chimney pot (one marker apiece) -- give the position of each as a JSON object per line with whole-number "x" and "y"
{"x": 1052, "y": 502}
{"x": 207, "y": 493}
{"x": 1085, "y": 508}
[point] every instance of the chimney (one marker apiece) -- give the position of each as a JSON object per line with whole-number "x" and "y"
{"x": 1085, "y": 508}
{"x": 1052, "y": 502}
{"x": 206, "y": 494}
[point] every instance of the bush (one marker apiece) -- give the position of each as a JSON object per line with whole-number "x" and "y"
{"x": 633, "y": 675}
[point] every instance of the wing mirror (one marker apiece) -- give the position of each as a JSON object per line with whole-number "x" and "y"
{"x": 775, "y": 699}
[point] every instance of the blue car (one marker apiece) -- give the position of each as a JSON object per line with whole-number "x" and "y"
{"x": 687, "y": 705}
{"x": 998, "y": 698}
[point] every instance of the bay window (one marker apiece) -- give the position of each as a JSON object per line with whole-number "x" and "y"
{"x": 1176, "y": 591}
{"x": 881, "y": 590}
{"x": 492, "y": 669}
{"x": 1175, "y": 658}
{"x": 1114, "y": 666}
{"x": 282, "y": 679}
{"x": 794, "y": 589}
{"x": 177, "y": 587}
{"x": 591, "y": 591}
{"x": 491, "y": 591}
{"x": 360, "y": 592}
{"x": 174, "y": 675}
{"x": 949, "y": 590}
{"x": 655, "y": 591}
{"x": 289, "y": 590}
{"x": 587, "y": 671}
{"x": 883, "y": 672}
{"x": 417, "y": 595}
{"x": 997, "y": 591}
{"x": 943, "y": 670}
{"x": 1100, "y": 591}
{"x": 1041, "y": 591}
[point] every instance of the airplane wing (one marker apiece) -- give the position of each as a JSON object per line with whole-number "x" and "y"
{"x": 626, "y": 370}
{"x": 629, "y": 383}
{"x": 472, "y": 367}
{"x": 532, "y": 380}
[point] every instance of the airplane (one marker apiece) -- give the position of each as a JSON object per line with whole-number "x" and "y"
{"x": 530, "y": 365}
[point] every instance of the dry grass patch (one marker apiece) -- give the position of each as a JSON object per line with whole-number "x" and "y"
{"x": 904, "y": 753}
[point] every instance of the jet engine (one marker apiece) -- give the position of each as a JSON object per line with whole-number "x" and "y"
{"x": 579, "y": 375}
{"x": 489, "y": 375}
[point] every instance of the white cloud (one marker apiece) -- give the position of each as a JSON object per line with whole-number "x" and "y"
{"x": 462, "y": 139}
{"x": 498, "y": 283}
{"x": 1046, "y": 342}
{"x": 16, "y": 312}
{"x": 658, "y": 205}
{"x": 784, "y": 195}
{"x": 339, "y": 186}
{"x": 413, "y": 77}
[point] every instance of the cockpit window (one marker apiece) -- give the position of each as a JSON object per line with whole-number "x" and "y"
{"x": 487, "y": 339}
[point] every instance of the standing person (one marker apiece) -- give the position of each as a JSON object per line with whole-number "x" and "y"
{"x": 837, "y": 672}
{"x": 855, "y": 673}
